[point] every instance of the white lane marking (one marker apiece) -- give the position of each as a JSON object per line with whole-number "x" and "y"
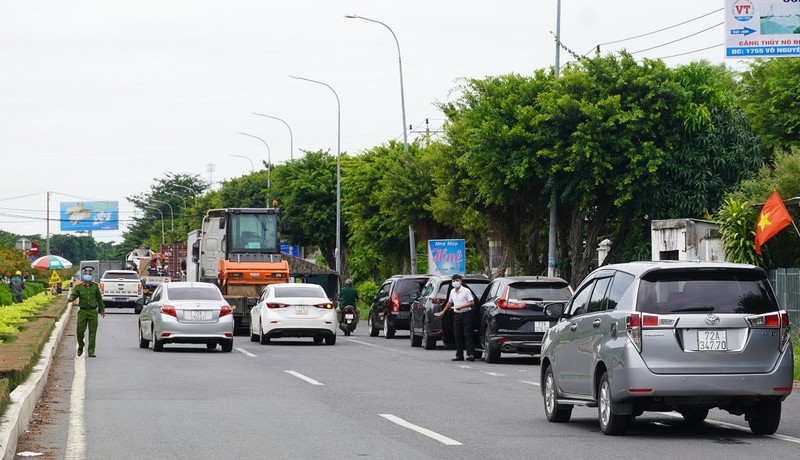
{"x": 76, "y": 434}
{"x": 377, "y": 346}
{"x": 494, "y": 374}
{"x": 245, "y": 352}
{"x": 530, "y": 383}
{"x": 431, "y": 434}
{"x": 303, "y": 377}
{"x": 465, "y": 367}
{"x": 733, "y": 426}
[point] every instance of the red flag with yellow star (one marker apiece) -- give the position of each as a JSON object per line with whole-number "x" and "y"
{"x": 773, "y": 218}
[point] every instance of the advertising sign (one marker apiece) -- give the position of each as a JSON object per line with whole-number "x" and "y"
{"x": 762, "y": 28}
{"x": 446, "y": 257}
{"x": 292, "y": 250}
{"x": 89, "y": 215}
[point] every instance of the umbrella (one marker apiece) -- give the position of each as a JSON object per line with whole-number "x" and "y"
{"x": 51, "y": 262}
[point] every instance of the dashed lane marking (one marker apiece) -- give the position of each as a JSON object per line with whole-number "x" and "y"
{"x": 424, "y": 431}
{"x": 245, "y": 352}
{"x": 734, "y": 426}
{"x": 303, "y": 377}
{"x": 529, "y": 382}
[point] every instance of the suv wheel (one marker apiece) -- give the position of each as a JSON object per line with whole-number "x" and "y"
{"x": 492, "y": 353}
{"x": 373, "y": 331}
{"x": 555, "y": 412}
{"x": 765, "y": 417}
{"x": 388, "y": 331}
{"x": 427, "y": 340}
{"x": 610, "y": 423}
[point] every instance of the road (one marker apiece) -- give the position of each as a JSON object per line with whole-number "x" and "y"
{"x": 363, "y": 397}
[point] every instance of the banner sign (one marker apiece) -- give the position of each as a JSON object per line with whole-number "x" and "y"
{"x": 89, "y": 215}
{"x": 762, "y": 28}
{"x": 292, "y": 250}
{"x": 446, "y": 257}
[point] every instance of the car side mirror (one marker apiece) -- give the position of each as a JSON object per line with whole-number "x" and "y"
{"x": 252, "y": 301}
{"x": 554, "y": 310}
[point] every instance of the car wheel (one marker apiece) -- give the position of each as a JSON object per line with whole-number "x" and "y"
{"x": 143, "y": 343}
{"x": 416, "y": 340}
{"x": 330, "y": 340}
{"x": 388, "y": 332}
{"x": 318, "y": 339}
{"x": 694, "y": 416}
{"x": 555, "y": 412}
{"x": 428, "y": 341}
{"x": 765, "y": 417}
{"x": 492, "y": 353}
{"x": 137, "y": 311}
{"x": 373, "y": 331}
{"x": 158, "y": 345}
{"x": 262, "y": 338}
{"x": 610, "y": 423}
{"x": 211, "y": 346}
{"x": 253, "y": 337}
{"x": 227, "y": 346}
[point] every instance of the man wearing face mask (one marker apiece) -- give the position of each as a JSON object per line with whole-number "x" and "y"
{"x": 90, "y": 301}
{"x": 461, "y": 300}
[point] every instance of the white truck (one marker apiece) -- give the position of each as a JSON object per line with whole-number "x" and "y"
{"x": 122, "y": 289}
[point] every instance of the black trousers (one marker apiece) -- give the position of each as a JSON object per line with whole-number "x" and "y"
{"x": 462, "y": 325}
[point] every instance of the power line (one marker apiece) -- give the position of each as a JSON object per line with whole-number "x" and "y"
{"x": 654, "y": 32}
{"x": 693, "y": 51}
{"x": 679, "y": 39}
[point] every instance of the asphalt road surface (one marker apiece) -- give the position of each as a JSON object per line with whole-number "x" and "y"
{"x": 365, "y": 397}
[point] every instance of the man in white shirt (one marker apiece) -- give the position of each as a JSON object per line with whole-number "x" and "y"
{"x": 461, "y": 301}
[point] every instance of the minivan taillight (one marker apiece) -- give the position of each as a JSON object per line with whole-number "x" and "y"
{"x": 633, "y": 323}
{"x": 776, "y": 320}
{"x": 395, "y": 303}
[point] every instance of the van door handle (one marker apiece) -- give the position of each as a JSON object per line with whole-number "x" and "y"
{"x": 573, "y": 327}
{"x": 596, "y": 323}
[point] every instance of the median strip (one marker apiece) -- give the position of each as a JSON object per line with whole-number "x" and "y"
{"x": 431, "y": 434}
{"x": 303, "y": 377}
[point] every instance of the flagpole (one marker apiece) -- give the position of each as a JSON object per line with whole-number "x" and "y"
{"x": 795, "y": 227}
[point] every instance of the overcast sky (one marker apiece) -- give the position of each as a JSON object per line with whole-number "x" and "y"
{"x": 98, "y": 98}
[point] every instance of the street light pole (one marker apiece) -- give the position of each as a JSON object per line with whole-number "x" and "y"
{"x": 291, "y": 136}
{"x": 269, "y": 160}
{"x": 411, "y": 240}
{"x": 338, "y": 172}
{"x": 162, "y": 222}
{"x": 551, "y": 237}
{"x": 175, "y": 194}
{"x": 252, "y": 167}
{"x": 171, "y": 214}
{"x": 192, "y": 191}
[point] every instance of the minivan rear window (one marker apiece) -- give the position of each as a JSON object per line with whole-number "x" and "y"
{"x": 706, "y": 291}
{"x": 539, "y": 291}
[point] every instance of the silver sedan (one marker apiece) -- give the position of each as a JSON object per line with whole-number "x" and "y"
{"x": 186, "y": 312}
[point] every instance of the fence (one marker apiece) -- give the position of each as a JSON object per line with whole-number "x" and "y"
{"x": 786, "y": 283}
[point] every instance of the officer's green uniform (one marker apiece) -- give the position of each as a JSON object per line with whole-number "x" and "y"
{"x": 90, "y": 301}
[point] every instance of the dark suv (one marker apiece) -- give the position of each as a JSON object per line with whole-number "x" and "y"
{"x": 427, "y": 328}
{"x": 511, "y": 316}
{"x": 391, "y": 308}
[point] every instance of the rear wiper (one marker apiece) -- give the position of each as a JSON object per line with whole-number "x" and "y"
{"x": 709, "y": 308}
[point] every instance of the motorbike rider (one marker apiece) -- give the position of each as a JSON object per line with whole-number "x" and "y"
{"x": 348, "y": 295}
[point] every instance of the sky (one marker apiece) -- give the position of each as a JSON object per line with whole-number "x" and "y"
{"x": 100, "y": 98}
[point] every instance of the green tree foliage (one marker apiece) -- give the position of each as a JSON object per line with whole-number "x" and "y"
{"x": 737, "y": 223}
{"x": 73, "y": 248}
{"x": 770, "y": 93}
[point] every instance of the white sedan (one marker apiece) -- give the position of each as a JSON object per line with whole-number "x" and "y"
{"x": 293, "y": 310}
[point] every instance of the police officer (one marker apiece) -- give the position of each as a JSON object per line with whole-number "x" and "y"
{"x": 89, "y": 303}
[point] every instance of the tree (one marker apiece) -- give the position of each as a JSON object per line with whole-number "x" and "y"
{"x": 770, "y": 93}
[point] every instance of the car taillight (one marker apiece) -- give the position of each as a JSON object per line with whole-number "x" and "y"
{"x": 777, "y": 320}
{"x": 139, "y": 288}
{"x": 276, "y": 305}
{"x": 506, "y": 304}
{"x": 169, "y": 310}
{"x": 633, "y": 323}
{"x": 395, "y": 303}
{"x": 225, "y": 310}
{"x": 326, "y": 306}
{"x": 438, "y": 301}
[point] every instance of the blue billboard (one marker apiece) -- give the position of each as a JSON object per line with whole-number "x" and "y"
{"x": 89, "y": 215}
{"x": 446, "y": 257}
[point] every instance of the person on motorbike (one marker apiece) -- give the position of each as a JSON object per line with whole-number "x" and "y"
{"x": 348, "y": 295}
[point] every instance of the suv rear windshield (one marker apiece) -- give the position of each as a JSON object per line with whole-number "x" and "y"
{"x": 539, "y": 291}
{"x": 408, "y": 285}
{"x": 704, "y": 291}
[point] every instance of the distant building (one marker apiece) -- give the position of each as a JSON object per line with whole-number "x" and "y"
{"x": 686, "y": 239}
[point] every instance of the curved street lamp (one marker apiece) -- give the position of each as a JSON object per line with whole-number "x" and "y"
{"x": 252, "y": 167}
{"x": 269, "y": 159}
{"x": 338, "y": 171}
{"x": 291, "y": 136}
{"x": 171, "y": 213}
{"x": 162, "y": 222}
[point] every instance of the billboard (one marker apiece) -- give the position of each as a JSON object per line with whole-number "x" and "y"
{"x": 446, "y": 257}
{"x": 89, "y": 215}
{"x": 762, "y": 28}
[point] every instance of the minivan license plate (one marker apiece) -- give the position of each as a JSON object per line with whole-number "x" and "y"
{"x": 301, "y": 309}
{"x": 712, "y": 340}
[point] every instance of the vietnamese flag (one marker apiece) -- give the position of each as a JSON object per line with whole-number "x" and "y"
{"x": 773, "y": 218}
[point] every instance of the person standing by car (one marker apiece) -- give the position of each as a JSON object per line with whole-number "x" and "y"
{"x": 89, "y": 303}
{"x": 348, "y": 295}
{"x": 16, "y": 285}
{"x": 461, "y": 301}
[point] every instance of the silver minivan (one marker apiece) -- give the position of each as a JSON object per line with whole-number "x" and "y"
{"x": 669, "y": 336}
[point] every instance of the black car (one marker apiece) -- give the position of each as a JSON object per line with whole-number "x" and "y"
{"x": 391, "y": 308}
{"x": 427, "y": 328}
{"x": 511, "y": 316}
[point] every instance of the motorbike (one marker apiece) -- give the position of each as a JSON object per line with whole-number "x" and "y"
{"x": 348, "y": 319}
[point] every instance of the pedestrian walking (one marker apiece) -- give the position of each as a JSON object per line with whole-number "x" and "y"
{"x": 90, "y": 302}
{"x": 17, "y": 284}
{"x": 461, "y": 301}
